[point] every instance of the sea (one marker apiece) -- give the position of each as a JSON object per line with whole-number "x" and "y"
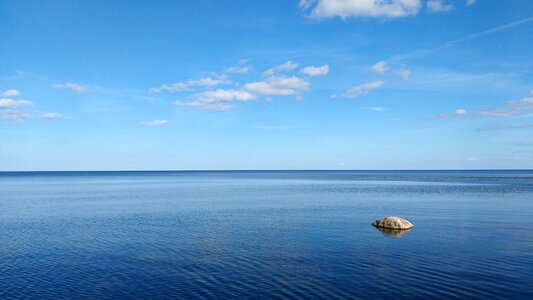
{"x": 266, "y": 235}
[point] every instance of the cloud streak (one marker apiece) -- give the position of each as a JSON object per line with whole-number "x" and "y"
{"x": 315, "y": 71}
{"x": 190, "y": 84}
{"x": 363, "y": 89}
{"x": 73, "y": 87}
{"x": 511, "y": 109}
{"x": 436, "y": 6}
{"x": 53, "y": 116}
{"x": 11, "y": 93}
{"x": 154, "y": 123}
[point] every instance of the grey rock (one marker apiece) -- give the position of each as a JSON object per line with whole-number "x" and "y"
{"x": 393, "y": 223}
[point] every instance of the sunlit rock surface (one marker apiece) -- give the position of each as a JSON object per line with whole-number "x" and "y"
{"x": 396, "y": 223}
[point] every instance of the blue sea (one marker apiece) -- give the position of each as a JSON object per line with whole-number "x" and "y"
{"x": 265, "y": 234}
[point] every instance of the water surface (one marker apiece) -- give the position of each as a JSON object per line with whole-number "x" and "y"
{"x": 269, "y": 234}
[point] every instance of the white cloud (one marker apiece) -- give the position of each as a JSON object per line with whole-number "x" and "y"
{"x": 438, "y": 6}
{"x": 505, "y": 127}
{"x": 361, "y": 8}
{"x": 52, "y": 116}
{"x": 10, "y": 103}
{"x": 154, "y": 123}
{"x": 377, "y": 108}
{"x": 316, "y": 71}
{"x": 459, "y": 113}
{"x": 511, "y": 109}
{"x": 363, "y": 89}
{"x": 217, "y": 100}
{"x": 404, "y": 73}
{"x": 10, "y": 93}
{"x": 283, "y": 67}
{"x": 305, "y": 4}
{"x": 206, "y": 105}
{"x": 239, "y": 70}
{"x": 380, "y": 67}
{"x": 189, "y": 84}
{"x": 14, "y": 115}
{"x": 74, "y": 87}
{"x": 278, "y": 86}
{"x": 470, "y": 2}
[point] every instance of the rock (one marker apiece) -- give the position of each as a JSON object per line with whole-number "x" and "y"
{"x": 393, "y": 223}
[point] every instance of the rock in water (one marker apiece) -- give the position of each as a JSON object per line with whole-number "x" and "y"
{"x": 393, "y": 223}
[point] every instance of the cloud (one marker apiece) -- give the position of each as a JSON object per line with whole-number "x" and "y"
{"x": 190, "y": 84}
{"x": 404, "y": 73}
{"x": 74, "y": 87}
{"x": 380, "y": 67}
{"x": 14, "y": 115}
{"x": 10, "y": 93}
{"x": 10, "y": 103}
{"x": 377, "y": 108}
{"x": 315, "y": 71}
{"x": 361, "y": 8}
{"x": 217, "y": 100}
{"x": 473, "y": 36}
{"x": 222, "y": 99}
{"x": 278, "y": 86}
{"x": 238, "y": 70}
{"x": 281, "y": 68}
{"x": 459, "y": 113}
{"x": 505, "y": 127}
{"x": 436, "y": 6}
{"x": 363, "y": 89}
{"x": 511, "y": 109}
{"x": 52, "y": 116}
{"x": 206, "y": 105}
{"x": 470, "y": 2}
{"x": 154, "y": 123}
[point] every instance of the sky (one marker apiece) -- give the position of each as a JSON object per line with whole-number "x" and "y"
{"x": 266, "y": 84}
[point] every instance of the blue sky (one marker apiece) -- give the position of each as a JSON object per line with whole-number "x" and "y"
{"x": 277, "y": 84}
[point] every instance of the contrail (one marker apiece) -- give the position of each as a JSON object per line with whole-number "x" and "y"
{"x": 469, "y": 37}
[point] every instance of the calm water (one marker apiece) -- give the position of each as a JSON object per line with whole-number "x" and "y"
{"x": 265, "y": 235}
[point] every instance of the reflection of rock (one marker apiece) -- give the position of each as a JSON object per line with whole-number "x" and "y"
{"x": 393, "y": 223}
{"x": 395, "y": 233}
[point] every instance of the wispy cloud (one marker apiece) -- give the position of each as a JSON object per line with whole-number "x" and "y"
{"x": 10, "y": 93}
{"x": 470, "y": 2}
{"x": 14, "y": 115}
{"x": 10, "y": 108}
{"x": 363, "y": 89}
{"x": 361, "y": 8}
{"x": 238, "y": 70}
{"x": 281, "y": 68}
{"x": 74, "y": 87}
{"x": 9, "y": 103}
{"x": 377, "y": 108}
{"x": 53, "y": 116}
{"x": 190, "y": 84}
{"x": 217, "y": 100}
{"x": 436, "y": 6}
{"x": 315, "y": 71}
{"x": 511, "y": 109}
{"x": 154, "y": 123}
{"x": 404, "y": 73}
{"x": 278, "y": 86}
{"x": 274, "y": 85}
{"x": 467, "y": 38}
{"x": 499, "y": 127}
{"x": 380, "y": 67}
{"x": 459, "y": 113}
